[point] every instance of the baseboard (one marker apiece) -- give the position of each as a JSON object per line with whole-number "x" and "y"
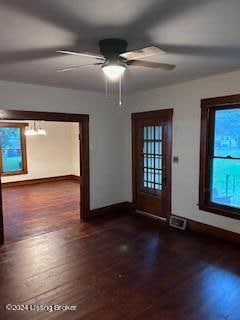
{"x": 213, "y": 232}
{"x": 40, "y": 180}
{"x": 151, "y": 216}
{"x": 209, "y": 231}
{"x": 74, "y": 177}
{"x": 114, "y": 209}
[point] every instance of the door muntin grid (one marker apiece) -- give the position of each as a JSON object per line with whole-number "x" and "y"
{"x": 151, "y": 159}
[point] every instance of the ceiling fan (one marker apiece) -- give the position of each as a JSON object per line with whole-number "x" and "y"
{"x": 115, "y": 58}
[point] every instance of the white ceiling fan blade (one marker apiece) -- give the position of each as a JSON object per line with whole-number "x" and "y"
{"x": 151, "y": 65}
{"x": 84, "y": 54}
{"x": 78, "y": 67}
{"x": 142, "y": 53}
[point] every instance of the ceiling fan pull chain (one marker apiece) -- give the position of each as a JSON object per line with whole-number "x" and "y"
{"x": 106, "y": 89}
{"x": 120, "y": 91}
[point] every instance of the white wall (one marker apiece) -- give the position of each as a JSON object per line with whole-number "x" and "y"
{"x": 56, "y": 154}
{"x": 106, "y": 131}
{"x": 75, "y": 149}
{"x": 185, "y": 99}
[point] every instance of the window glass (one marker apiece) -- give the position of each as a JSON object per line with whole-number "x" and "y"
{"x": 225, "y": 186}
{"x": 10, "y": 139}
{"x": 225, "y": 161}
{"x": 227, "y": 133}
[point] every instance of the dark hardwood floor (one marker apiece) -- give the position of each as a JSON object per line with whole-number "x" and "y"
{"x": 126, "y": 267}
{"x": 40, "y": 208}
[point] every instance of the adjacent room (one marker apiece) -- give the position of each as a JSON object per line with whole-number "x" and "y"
{"x": 120, "y": 160}
{"x": 40, "y": 169}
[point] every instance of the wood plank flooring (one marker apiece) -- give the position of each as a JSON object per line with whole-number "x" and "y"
{"x": 40, "y": 208}
{"x": 127, "y": 267}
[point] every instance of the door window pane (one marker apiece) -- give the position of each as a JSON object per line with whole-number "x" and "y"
{"x": 158, "y": 132}
{"x": 158, "y": 148}
{"x": 152, "y": 158}
{"x": 158, "y": 162}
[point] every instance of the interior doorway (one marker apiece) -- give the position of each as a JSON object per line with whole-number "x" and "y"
{"x": 152, "y": 156}
{"x": 62, "y": 190}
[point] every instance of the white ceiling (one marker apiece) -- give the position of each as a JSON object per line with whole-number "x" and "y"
{"x": 200, "y": 36}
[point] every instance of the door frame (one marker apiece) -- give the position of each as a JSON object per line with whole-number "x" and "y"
{"x": 83, "y": 120}
{"x": 161, "y": 114}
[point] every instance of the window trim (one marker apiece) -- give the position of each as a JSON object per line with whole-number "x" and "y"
{"x": 21, "y": 126}
{"x": 208, "y": 107}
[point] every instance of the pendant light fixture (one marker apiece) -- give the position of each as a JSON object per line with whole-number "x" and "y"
{"x": 34, "y": 130}
{"x": 41, "y": 131}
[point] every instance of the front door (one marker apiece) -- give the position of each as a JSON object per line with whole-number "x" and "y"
{"x": 152, "y": 148}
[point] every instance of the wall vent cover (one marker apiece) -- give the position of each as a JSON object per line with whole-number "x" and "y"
{"x": 178, "y": 222}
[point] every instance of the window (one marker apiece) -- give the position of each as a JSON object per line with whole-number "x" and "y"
{"x": 13, "y": 149}
{"x": 152, "y": 158}
{"x": 220, "y": 156}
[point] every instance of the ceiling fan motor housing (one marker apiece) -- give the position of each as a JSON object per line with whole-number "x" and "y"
{"x": 112, "y": 48}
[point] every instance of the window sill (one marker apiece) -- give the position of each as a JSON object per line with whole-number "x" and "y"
{"x": 16, "y": 173}
{"x": 226, "y": 211}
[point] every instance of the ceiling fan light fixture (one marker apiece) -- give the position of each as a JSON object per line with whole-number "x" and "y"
{"x": 113, "y": 71}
